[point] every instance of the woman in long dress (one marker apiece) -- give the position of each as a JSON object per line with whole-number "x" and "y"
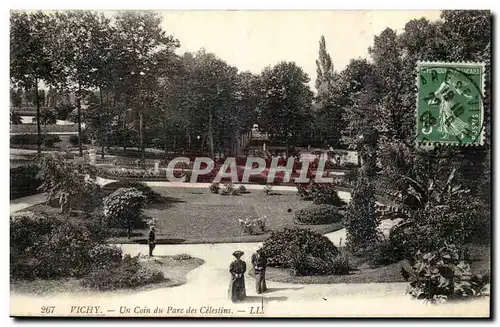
{"x": 237, "y": 284}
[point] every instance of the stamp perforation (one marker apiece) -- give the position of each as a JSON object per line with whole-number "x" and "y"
{"x": 484, "y": 120}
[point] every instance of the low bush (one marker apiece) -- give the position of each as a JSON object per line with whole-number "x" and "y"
{"x": 134, "y": 173}
{"x": 182, "y": 256}
{"x": 105, "y": 256}
{"x": 128, "y": 274}
{"x": 443, "y": 275}
{"x": 27, "y": 229}
{"x": 293, "y": 248}
{"x": 381, "y": 253}
{"x": 73, "y": 139}
{"x": 46, "y": 247}
{"x": 214, "y": 188}
{"x": 268, "y": 189}
{"x": 425, "y": 229}
{"x": 253, "y": 226}
{"x": 242, "y": 189}
{"x": 151, "y": 196}
{"x": 47, "y": 140}
{"x": 336, "y": 265}
{"x": 304, "y": 191}
{"x": 319, "y": 193}
{"x": 326, "y": 194}
{"x": 24, "y": 181}
{"x": 229, "y": 189}
{"x": 318, "y": 214}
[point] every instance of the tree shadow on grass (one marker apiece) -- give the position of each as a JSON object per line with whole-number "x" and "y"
{"x": 161, "y": 241}
{"x": 164, "y": 202}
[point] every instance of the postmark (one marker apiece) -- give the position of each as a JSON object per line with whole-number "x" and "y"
{"x": 450, "y": 109}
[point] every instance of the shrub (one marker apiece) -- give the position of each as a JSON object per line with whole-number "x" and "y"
{"x": 268, "y": 189}
{"x": 105, "y": 256}
{"x": 326, "y": 194}
{"x": 425, "y": 229}
{"x": 128, "y": 274}
{"x": 73, "y": 139}
{"x": 27, "y": 228}
{"x": 133, "y": 173}
{"x": 337, "y": 265}
{"x": 66, "y": 179}
{"x": 318, "y": 214}
{"x": 242, "y": 189}
{"x": 304, "y": 191}
{"x": 381, "y": 253}
{"x": 291, "y": 248}
{"x": 252, "y": 226}
{"x": 442, "y": 275}
{"x": 214, "y": 188}
{"x": 151, "y": 196}
{"x": 361, "y": 218}
{"x": 228, "y": 189}
{"x": 47, "y": 140}
{"x": 182, "y": 256}
{"x": 24, "y": 181}
{"x": 124, "y": 208}
{"x": 50, "y": 247}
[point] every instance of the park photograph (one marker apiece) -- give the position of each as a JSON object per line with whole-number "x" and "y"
{"x": 250, "y": 164}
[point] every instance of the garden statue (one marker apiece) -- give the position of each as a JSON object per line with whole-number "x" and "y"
{"x": 237, "y": 269}
{"x": 157, "y": 166}
{"x": 259, "y": 263}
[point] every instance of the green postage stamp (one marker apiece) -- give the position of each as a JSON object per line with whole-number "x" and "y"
{"x": 450, "y": 103}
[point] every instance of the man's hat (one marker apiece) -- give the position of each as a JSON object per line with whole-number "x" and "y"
{"x": 238, "y": 253}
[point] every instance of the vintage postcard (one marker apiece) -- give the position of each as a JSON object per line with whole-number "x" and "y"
{"x": 250, "y": 164}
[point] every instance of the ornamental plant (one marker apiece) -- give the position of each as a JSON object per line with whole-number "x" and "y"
{"x": 361, "y": 216}
{"x": 443, "y": 275}
{"x": 66, "y": 180}
{"x": 124, "y": 207}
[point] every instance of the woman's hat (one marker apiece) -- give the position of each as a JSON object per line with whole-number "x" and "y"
{"x": 238, "y": 253}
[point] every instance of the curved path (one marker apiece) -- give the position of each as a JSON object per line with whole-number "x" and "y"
{"x": 207, "y": 287}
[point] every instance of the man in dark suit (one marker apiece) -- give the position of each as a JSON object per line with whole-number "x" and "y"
{"x": 259, "y": 263}
{"x": 152, "y": 240}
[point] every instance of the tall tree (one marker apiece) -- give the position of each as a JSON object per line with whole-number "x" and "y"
{"x": 144, "y": 52}
{"x": 286, "y": 102}
{"x": 81, "y": 44}
{"x": 31, "y": 59}
{"x": 329, "y": 119}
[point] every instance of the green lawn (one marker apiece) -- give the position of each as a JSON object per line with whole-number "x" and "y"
{"x": 190, "y": 215}
{"x": 175, "y": 272}
{"x": 198, "y": 216}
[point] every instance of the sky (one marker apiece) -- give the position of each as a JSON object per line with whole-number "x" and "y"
{"x": 252, "y": 40}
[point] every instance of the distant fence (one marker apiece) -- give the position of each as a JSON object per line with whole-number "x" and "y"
{"x": 32, "y": 129}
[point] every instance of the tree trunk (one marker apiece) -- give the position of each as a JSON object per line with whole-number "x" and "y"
{"x": 38, "y": 128}
{"x": 79, "y": 114}
{"x": 125, "y": 128}
{"x": 210, "y": 134}
{"x": 129, "y": 229}
{"x": 165, "y": 138}
{"x": 103, "y": 128}
{"x": 141, "y": 135}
